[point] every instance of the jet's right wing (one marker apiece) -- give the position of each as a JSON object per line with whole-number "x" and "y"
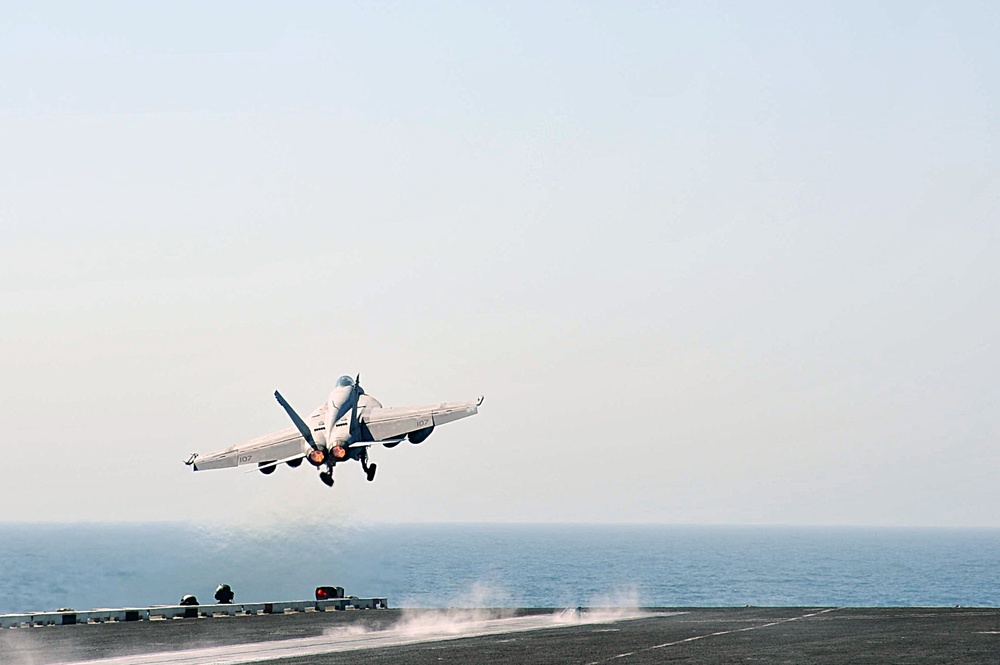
{"x": 389, "y": 423}
{"x": 288, "y": 443}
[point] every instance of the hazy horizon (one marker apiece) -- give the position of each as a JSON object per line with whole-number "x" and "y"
{"x": 365, "y": 524}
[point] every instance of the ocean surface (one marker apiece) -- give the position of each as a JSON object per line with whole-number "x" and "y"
{"x": 46, "y": 566}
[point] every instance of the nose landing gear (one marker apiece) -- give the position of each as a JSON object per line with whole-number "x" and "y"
{"x": 327, "y": 477}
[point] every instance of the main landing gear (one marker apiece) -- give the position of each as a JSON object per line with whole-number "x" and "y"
{"x": 368, "y": 469}
{"x": 327, "y": 477}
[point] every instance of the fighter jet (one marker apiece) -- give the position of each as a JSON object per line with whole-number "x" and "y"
{"x": 343, "y": 428}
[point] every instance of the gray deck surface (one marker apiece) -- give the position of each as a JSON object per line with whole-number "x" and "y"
{"x": 713, "y": 635}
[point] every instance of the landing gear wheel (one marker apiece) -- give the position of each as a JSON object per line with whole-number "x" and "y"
{"x": 371, "y": 472}
{"x": 327, "y": 478}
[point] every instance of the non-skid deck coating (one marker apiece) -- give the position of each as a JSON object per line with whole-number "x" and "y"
{"x": 714, "y": 635}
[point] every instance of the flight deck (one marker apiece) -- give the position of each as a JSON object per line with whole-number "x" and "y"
{"x": 528, "y": 636}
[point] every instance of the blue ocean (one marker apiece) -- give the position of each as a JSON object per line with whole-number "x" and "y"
{"x": 83, "y": 566}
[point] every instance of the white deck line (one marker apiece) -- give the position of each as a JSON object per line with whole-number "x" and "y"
{"x": 716, "y": 634}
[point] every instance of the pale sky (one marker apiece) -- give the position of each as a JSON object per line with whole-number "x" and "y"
{"x": 708, "y": 262}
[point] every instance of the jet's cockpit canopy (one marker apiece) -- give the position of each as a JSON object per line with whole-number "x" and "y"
{"x": 347, "y": 382}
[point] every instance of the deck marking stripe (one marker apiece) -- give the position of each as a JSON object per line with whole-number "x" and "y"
{"x": 721, "y": 632}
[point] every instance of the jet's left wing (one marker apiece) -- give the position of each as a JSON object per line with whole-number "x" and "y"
{"x": 283, "y": 445}
{"x": 379, "y": 424}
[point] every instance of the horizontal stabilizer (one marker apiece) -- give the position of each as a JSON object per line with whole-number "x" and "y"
{"x": 276, "y": 463}
{"x": 365, "y": 444}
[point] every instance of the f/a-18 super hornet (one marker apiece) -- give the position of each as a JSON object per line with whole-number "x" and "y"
{"x": 342, "y": 429}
